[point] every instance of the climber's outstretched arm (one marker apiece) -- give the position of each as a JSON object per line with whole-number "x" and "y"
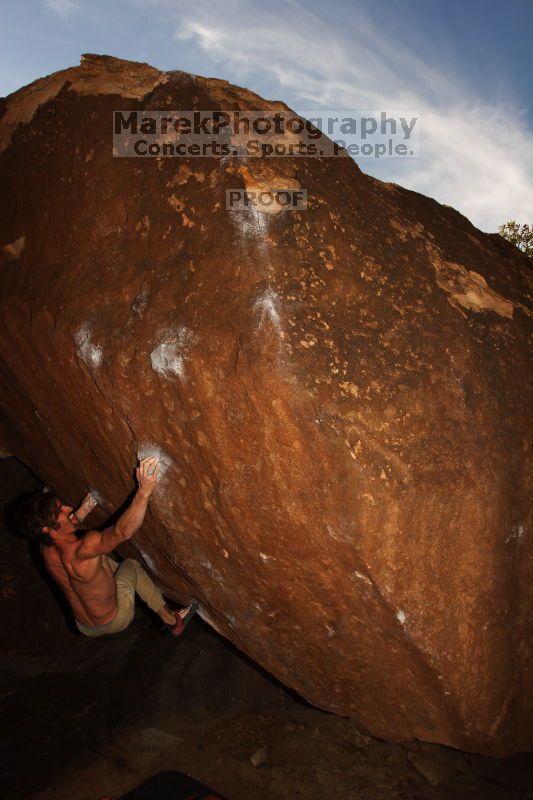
{"x": 95, "y": 543}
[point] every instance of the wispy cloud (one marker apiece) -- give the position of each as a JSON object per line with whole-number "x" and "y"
{"x": 63, "y": 8}
{"x": 476, "y": 157}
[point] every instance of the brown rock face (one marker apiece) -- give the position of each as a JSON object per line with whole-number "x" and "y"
{"x": 340, "y": 397}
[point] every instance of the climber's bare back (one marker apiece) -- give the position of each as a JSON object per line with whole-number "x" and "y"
{"x": 88, "y": 584}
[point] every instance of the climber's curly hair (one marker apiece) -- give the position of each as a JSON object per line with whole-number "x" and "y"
{"x": 35, "y": 511}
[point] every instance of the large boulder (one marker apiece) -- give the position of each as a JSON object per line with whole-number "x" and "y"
{"x": 340, "y": 398}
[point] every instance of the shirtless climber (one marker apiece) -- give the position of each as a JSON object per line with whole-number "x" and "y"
{"x": 101, "y": 591}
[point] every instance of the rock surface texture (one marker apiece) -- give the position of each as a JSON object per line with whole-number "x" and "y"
{"x": 339, "y": 397}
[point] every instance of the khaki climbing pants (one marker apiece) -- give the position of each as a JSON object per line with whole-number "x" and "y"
{"x": 130, "y": 578}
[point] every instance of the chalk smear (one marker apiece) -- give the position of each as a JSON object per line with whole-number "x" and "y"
{"x": 102, "y": 502}
{"x": 516, "y": 533}
{"x": 92, "y": 354}
{"x": 170, "y": 355}
{"x": 139, "y": 304}
{"x": 146, "y": 558}
{"x": 267, "y": 306}
{"x": 362, "y": 577}
{"x": 251, "y": 223}
{"x": 206, "y": 616}
{"x": 149, "y": 450}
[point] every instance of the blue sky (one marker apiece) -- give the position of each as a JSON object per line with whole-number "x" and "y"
{"x": 463, "y": 65}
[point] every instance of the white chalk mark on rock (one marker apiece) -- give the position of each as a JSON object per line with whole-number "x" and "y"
{"x": 102, "y": 502}
{"x": 148, "y": 450}
{"x": 251, "y": 224}
{"x": 146, "y": 558}
{"x": 267, "y": 306}
{"x": 92, "y": 354}
{"x": 339, "y": 536}
{"x": 214, "y": 573}
{"x": 362, "y": 577}
{"x": 169, "y": 357}
{"x": 140, "y": 303}
{"x": 517, "y": 531}
{"x": 206, "y": 616}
